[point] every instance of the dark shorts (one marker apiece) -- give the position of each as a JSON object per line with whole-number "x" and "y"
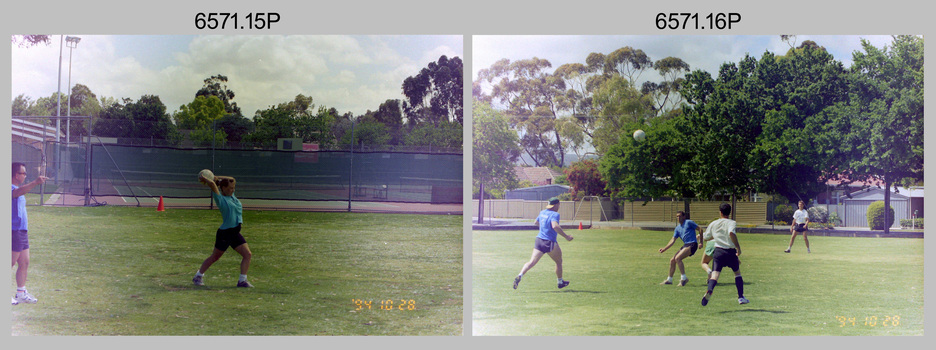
{"x": 726, "y": 258}
{"x": 20, "y": 240}
{"x": 544, "y": 245}
{"x": 230, "y": 237}
{"x": 800, "y": 228}
{"x": 692, "y": 248}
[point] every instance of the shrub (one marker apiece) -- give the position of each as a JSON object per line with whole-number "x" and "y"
{"x": 876, "y": 216}
{"x": 783, "y": 212}
{"x": 914, "y": 223}
{"x": 818, "y": 214}
{"x": 834, "y": 219}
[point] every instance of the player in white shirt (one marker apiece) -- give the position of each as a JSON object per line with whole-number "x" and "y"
{"x": 727, "y": 251}
{"x": 800, "y": 224}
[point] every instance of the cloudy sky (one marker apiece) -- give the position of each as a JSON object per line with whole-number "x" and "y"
{"x": 706, "y": 52}
{"x": 349, "y": 73}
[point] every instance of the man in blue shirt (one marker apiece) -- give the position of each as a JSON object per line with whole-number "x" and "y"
{"x": 545, "y": 243}
{"x": 20, "y": 231}
{"x": 685, "y": 230}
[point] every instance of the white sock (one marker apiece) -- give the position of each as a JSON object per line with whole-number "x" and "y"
{"x": 683, "y": 277}
{"x": 669, "y": 279}
{"x": 560, "y": 280}
{"x": 198, "y": 274}
{"x": 20, "y": 291}
{"x": 242, "y": 278}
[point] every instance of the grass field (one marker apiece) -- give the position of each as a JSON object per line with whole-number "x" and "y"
{"x": 846, "y": 286}
{"x": 127, "y": 271}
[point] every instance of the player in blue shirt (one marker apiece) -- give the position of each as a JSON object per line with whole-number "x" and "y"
{"x": 20, "y": 251}
{"x": 685, "y": 230}
{"x": 545, "y": 243}
{"x": 228, "y": 235}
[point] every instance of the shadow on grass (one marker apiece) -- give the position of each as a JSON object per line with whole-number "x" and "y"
{"x": 756, "y": 310}
{"x": 573, "y": 291}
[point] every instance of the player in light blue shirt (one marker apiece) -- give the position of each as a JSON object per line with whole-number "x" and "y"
{"x": 685, "y": 230}
{"x": 20, "y": 235}
{"x": 545, "y": 242}
{"x": 228, "y": 235}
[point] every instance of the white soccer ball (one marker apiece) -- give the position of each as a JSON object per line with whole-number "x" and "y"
{"x": 639, "y": 135}
{"x": 207, "y": 174}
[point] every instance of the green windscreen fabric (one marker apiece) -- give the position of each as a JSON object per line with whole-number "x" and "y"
{"x": 279, "y": 175}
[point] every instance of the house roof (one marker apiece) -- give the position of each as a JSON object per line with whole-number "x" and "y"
{"x": 539, "y": 188}
{"x": 876, "y": 194}
{"x": 537, "y": 175}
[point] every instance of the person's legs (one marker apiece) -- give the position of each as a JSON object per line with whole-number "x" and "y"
{"x": 556, "y": 255}
{"x": 537, "y": 254}
{"x": 792, "y": 238}
{"x": 245, "y": 253}
{"x": 21, "y": 261}
{"x": 533, "y": 260}
{"x": 806, "y": 239}
{"x": 215, "y": 255}
{"x": 682, "y": 254}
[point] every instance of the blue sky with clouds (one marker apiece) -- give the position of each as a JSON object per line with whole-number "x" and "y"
{"x": 350, "y": 73}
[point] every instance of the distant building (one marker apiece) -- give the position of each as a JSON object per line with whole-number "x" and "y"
{"x": 538, "y": 193}
{"x": 539, "y": 176}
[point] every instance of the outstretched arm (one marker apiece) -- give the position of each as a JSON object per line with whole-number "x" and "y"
{"x": 668, "y": 245}
{"x": 28, "y": 187}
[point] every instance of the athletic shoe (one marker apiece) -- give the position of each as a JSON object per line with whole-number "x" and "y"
{"x": 516, "y": 282}
{"x": 25, "y": 297}
{"x": 244, "y": 284}
{"x": 564, "y": 284}
{"x": 705, "y": 298}
{"x": 197, "y": 280}
{"x": 683, "y": 282}
{"x": 786, "y": 251}
{"x": 14, "y": 300}
{"x": 808, "y": 251}
{"x": 743, "y": 300}
{"x": 666, "y": 282}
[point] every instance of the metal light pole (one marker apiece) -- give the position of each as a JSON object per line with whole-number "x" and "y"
{"x": 58, "y": 121}
{"x": 72, "y": 42}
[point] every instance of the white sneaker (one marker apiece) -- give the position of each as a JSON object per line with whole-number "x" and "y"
{"x": 14, "y": 300}
{"x": 25, "y": 297}
{"x": 743, "y": 300}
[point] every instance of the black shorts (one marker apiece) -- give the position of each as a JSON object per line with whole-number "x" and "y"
{"x": 692, "y": 248}
{"x": 726, "y": 258}
{"x": 544, "y": 245}
{"x": 230, "y": 237}
{"x": 20, "y": 240}
{"x": 800, "y": 227}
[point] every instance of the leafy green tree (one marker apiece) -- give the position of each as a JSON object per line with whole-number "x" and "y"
{"x": 888, "y": 128}
{"x": 534, "y": 99}
{"x": 144, "y": 119}
{"x": 201, "y": 113}
{"x": 627, "y": 62}
{"x": 367, "y": 133}
{"x": 438, "y": 87}
{"x": 495, "y": 148}
{"x": 217, "y": 86}
{"x": 447, "y": 135}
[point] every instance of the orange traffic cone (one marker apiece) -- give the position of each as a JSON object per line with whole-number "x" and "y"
{"x": 160, "y": 207}
{"x": 580, "y": 225}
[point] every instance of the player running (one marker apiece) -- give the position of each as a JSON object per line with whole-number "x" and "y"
{"x": 548, "y": 221}
{"x": 228, "y": 234}
{"x": 727, "y": 251}
{"x": 686, "y": 231}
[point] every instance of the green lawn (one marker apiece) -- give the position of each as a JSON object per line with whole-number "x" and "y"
{"x": 127, "y": 271}
{"x": 875, "y": 283}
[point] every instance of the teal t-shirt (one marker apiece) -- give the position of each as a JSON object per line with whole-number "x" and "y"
{"x": 231, "y": 210}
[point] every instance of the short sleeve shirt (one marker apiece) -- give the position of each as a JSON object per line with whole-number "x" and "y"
{"x": 800, "y": 216}
{"x": 719, "y": 231}
{"x": 231, "y": 210}
{"x": 20, "y": 222}
{"x": 686, "y": 231}
{"x": 546, "y": 218}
